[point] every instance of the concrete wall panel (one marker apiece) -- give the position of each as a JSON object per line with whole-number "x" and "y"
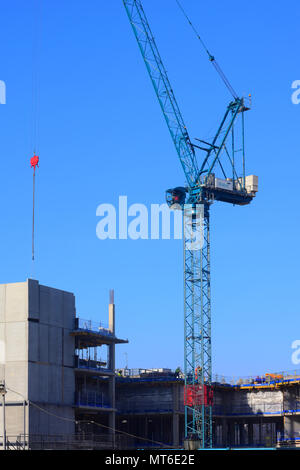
{"x": 16, "y": 377}
{"x": 55, "y": 384}
{"x": 33, "y": 381}
{"x": 55, "y": 345}
{"x": 16, "y": 305}
{"x": 69, "y": 386}
{"x": 33, "y": 299}
{"x": 33, "y": 343}
{"x": 44, "y": 383}
{"x": 2, "y": 302}
{"x": 44, "y": 305}
{"x": 14, "y": 420}
{"x": 56, "y": 308}
{"x": 44, "y": 343}
{"x": 16, "y": 341}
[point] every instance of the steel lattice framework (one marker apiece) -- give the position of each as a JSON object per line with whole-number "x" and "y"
{"x": 197, "y": 319}
{"x": 197, "y": 169}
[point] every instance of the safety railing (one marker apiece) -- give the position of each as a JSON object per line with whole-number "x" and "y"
{"x": 91, "y": 399}
{"x": 90, "y": 364}
{"x": 78, "y": 441}
{"x": 218, "y": 379}
{"x": 15, "y": 442}
{"x": 93, "y": 327}
{"x": 148, "y": 373}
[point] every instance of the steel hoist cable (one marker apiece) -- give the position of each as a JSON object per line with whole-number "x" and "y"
{"x": 34, "y": 161}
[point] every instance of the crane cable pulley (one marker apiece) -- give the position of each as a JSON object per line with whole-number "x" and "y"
{"x": 210, "y": 56}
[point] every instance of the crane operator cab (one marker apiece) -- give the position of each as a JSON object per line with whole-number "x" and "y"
{"x": 176, "y": 197}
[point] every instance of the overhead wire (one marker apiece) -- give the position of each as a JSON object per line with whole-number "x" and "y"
{"x": 63, "y": 418}
{"x": 210, "y": 56}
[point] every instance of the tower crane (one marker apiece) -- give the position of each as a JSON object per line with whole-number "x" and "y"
{"x": 214, "y": 171}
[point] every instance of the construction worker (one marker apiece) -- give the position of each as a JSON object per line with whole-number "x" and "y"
{"x": 197, "y": 371}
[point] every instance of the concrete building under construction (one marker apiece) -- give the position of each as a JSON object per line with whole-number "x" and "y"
{"x": 51, "y": 378}
{"x": 63, "y": 390}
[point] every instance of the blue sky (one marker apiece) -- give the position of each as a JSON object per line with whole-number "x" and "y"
{"x": 102, "y": 135}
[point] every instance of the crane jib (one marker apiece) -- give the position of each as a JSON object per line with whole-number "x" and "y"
{"x": 163, "y": 89}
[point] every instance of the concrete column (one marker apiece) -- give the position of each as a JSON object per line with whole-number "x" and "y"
{"x": 146, "y": 427}
{"x": 291, "y": 427}
{"x": 231, "y": 434}
{"x": 111, "y": 318}
{"x": 3, "y": 392}
{"x": 260, "y": 437}
{"x": 242, "y": 433}
{"x": 112, "y": 366}
{"x": 224, "y": 432}
{"x": 250, "y": 434}
{"x": 175, "y": 415}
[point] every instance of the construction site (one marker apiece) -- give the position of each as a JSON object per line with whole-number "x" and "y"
{"x": 60, "y": 386}
{"x": 62, "y": 394}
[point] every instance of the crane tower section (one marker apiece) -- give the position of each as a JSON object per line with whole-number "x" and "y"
{"x": 214, "y": 171}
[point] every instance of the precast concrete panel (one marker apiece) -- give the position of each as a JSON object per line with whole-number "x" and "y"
{"x": 44, "y": 305}
{"x": 68, "y": 310}
{"x": 33, "y": 299}
{"x": 55, "y": 384}
{"x": 68, "y": 348}
{"x": 56, "y": 308}
{"x": 33, "y": 343}
{"x": 44, "y": 383}
{"x": 16, "y": 302}
{"x": 44, "y": 343}
{"x": 69, "y": 385}
{"x": 55, "y": 345}
{"x": 16, "y": 341}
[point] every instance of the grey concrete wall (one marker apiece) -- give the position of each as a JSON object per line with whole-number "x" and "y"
{"x": 51, "y": 358}
{"x": 254, "y": 401}
{"x": 291, "y": 398}
{"x": 37, "y": 357}
{"x": 292, "y": 427}
{"x": 13, "y": 353}
{"x": 16, "y": 418}
{"x": 142, "y": 397}
{"x": 47, "y": 423}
